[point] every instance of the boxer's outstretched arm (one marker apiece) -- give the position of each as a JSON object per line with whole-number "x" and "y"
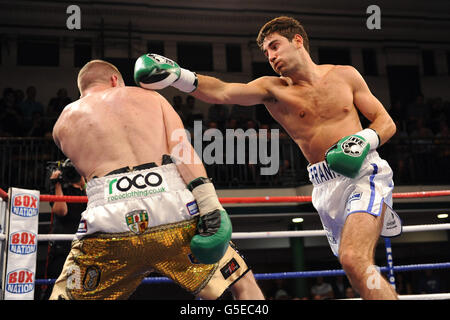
{"x": 213, "y": 90}
{"x": 156, "y": 72}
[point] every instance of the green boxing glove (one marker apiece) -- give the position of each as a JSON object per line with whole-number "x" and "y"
{"x": 155, "y": 72}
{"x": 214, "y": 226}
{"x": 348, "y": 154}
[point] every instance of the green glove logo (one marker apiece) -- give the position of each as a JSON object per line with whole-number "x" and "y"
{"x": 353, "y": 146}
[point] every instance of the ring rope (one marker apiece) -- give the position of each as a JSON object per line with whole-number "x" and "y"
{"x": 3, "y": 194}
{"x": 340, "y": 272}
{"x": 281, "y": 234}
{"x": 315, "y": 233}
{"x": 266, "y": 199}
{"x": 298, "y": 274}
{"x": 429, "y": 296}
{"x": 264, "y": 234}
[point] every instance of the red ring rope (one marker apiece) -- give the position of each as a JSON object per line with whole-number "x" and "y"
{"x": 3, "y": 194}
{"x": 267, "y": 199}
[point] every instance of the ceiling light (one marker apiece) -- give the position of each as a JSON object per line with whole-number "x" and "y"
{"x": 297, "y": 220}
{"x": 442, "y": 215}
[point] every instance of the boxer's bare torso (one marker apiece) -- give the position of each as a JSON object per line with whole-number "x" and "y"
{"x": 315, "y": 116}
{"x": 316, "y": 104}
{"x": 113, "y": 128}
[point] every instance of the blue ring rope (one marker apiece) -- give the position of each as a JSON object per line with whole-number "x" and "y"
{"x": 296, "y": 274}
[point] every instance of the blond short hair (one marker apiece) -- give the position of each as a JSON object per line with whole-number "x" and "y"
{"x": 96, "y": 72}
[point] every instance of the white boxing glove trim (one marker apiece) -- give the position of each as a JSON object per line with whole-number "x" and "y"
{"x": 186, "y": 82}
{"x": 371, "y": 136}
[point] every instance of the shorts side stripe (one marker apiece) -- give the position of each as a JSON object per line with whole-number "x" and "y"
{"x": 381, "y": 207}
{"x": 372, "y": 186}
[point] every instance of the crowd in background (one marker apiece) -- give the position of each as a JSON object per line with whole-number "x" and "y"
{"x": 338, "y": 287}
{"x": 421, "y": 126}
{"x": 22, "y": 114}
{"x": 421, "y": 140}
{"x": 421, "y": 145}
{"x": 221, "y": 117}
{"x": 422, "y": 118}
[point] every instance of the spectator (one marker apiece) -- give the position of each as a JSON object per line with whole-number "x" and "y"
{"x": 443, "y": 150}
{"x": 188, "y": 110}
{"x": 11, "y": 121}
{"x": 322, "y": 290}
{"x": 39, "y": 126}
{"x": 437, "y": 114}
{"x": 265, "y": 126}
{"x": 19, "y": 97}
{"x": 241, "y": 113}
{"x": 30, "y": 105}
{"x": 232, "y": 123}
{"x": 300, "y": 298}
{"x": 66, "y": 217}
{"x": 350, "y": 293}
{"x": 446, "y": 110}
{"x": 57, "y": 104}
{"x": 212, "y": 125}
{"x": 400, "y": 155}
{"x": 339, "y": 287}
{"x": 402, "y": 285}
{"x": 415, "y": 111}
{"x": 279, "y": 292}
{"x": 423, "y": 149}
{"x": 178, "y": 106}
{"x": 219, "y": 114}
{"x": 401, "y": 130}
{"x": 430, "y": 283}
{"x": 443, "y": 130}
{"x": 421, "y": 130}
{"x": 251, "y": 124}
{"x": 397, "y": 113}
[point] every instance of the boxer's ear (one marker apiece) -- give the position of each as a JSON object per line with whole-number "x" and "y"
{"x": 114, "y": 80}
{"x": 298, "y": 41}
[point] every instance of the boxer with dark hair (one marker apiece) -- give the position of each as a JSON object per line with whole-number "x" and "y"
{"x": 317, "y": 104}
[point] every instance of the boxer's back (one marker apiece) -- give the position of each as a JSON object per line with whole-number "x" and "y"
{"x": 111, "y": 129}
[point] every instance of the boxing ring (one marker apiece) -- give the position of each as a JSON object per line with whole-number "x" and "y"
{"x": 390, "y": 269}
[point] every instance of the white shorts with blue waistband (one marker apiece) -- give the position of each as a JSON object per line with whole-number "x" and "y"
{"x": 335, "y": 197}
{"x": 160, "y": 193}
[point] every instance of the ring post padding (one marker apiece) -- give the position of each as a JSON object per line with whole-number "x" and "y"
{"x": 390, "y": 261}
{"x": 21, "y": 244}
{"x": 3, "y": 205}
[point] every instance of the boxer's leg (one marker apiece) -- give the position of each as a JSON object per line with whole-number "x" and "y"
{"x": 99, "y": 269}
{"x": 356, "y": 254}
{"x": 232, "y": 272}
{"x": 246, "y": 288}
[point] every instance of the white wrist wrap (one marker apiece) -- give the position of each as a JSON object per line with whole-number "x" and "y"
{"x": 371, "y": 136}
{"x": 206, "y": 198}
{"x": 187, "y": 82}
